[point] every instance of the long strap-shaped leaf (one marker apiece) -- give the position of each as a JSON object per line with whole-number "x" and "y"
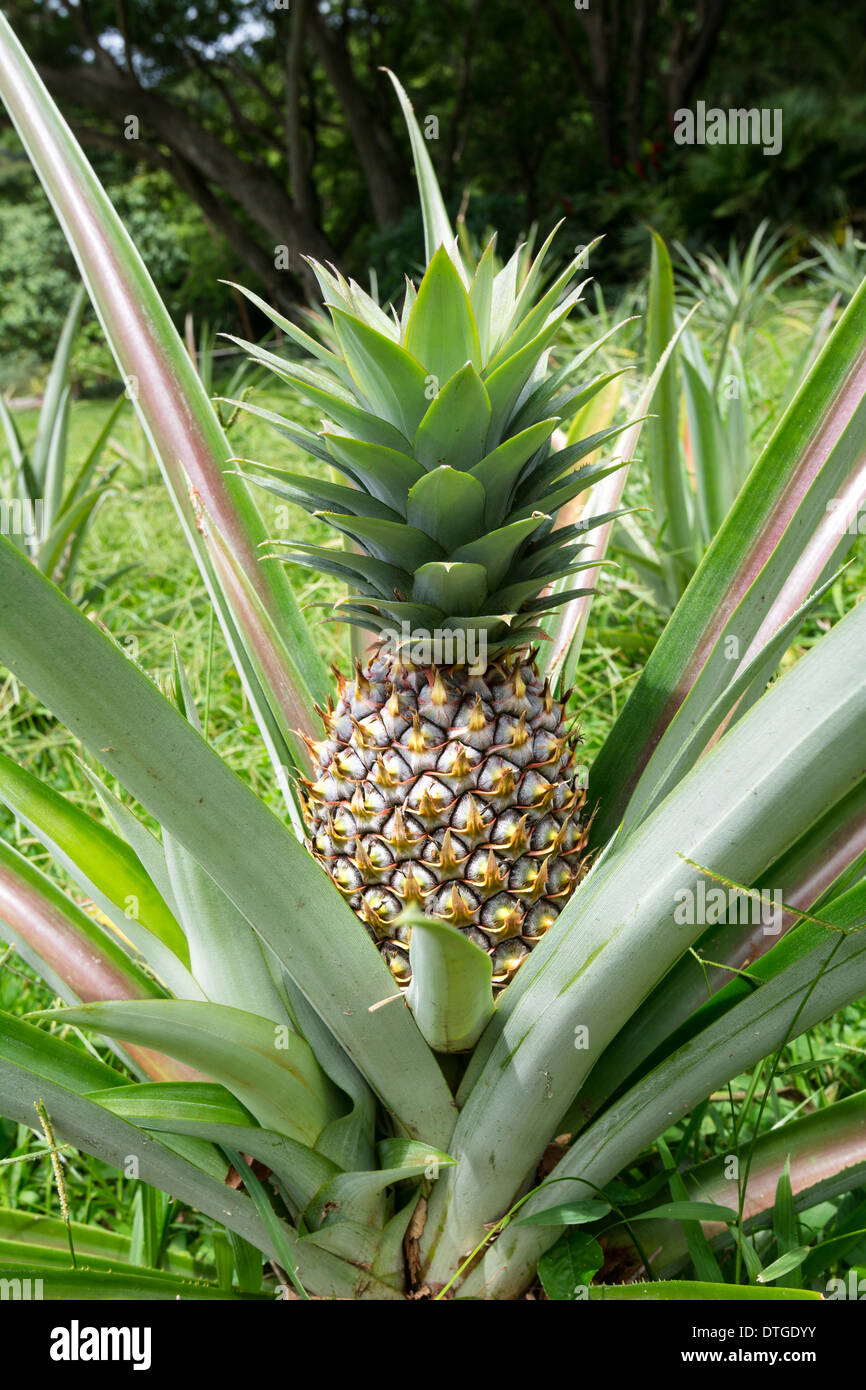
{"x": 735, "y": 813}
{"x": 781, "y": 537}
{"x": 208, "y": 1111}
{"x": 437, "y": 228}
{"x": 827, "y": 1153}
{"x": 90, "y": 960}
{"x": 109, "y": 704}
{"x": 56, "y": 388}
{"x": 826, "y": 979}
{"x": 568, "y": 629}
{"x": 33, "y": 1232}
{"x": 123, "y": 1282}
{"x": 175, "y": 411}
{"x": 101, "y": 863}
{"x": 689, "y": 1290}
{"x": 806, "y": 874}
{"x": 36, "y": 1066}
{"x": 670, "y": 492}
{"x": 72, "y": 953}
{"x": 226, "y": 957}
{"x": 277, "y": 1079}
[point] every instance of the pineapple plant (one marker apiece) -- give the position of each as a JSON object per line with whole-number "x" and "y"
{"x": 252, "y": 1013}
{"x": 441, "y": 785}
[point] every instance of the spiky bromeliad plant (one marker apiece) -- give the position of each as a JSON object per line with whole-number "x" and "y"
{"x": 700, "y": 442}
{"x": 44, "y": 510}
{"x": 445, "y": 783}
{"x": 255, "y": 1014}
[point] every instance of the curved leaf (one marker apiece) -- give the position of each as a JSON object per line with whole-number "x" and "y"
{"x": 269, "y": 1068}
{"x": 450, "y": 994}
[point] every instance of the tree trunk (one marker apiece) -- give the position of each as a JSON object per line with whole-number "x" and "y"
{"x": 690, "y": 54}
{"x": 302, "y": 191}
{"x": 595, "y": 87}
{"x": 254, "y": 189}
{"x": 635, "y": 75}
{"x": 371, "y": 140}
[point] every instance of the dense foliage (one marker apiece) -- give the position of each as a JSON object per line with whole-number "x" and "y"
{"x": 262, "y": 125}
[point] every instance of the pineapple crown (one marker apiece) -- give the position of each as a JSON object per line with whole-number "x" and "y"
{"x": 440, "y": 419}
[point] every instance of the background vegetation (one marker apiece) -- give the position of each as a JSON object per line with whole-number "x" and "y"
{"x": 228, "y": 129}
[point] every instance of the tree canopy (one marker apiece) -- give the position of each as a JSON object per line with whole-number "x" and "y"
{"x": 272, "y": 117}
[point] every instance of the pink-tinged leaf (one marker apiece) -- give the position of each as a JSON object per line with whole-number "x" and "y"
{"x": 265, "y": 645}
{"x": 670, "y": 491}
{"x": 827, "y": 1151}
{"x": 817, "y": 868}
{"x": 820, "y": 550}
{"x": 89, "y": 960}
{"x": 782, "y": 534}
{"x": 75, "y": 949}
{"x": 827, "y": 1156}
{"x": 572, "y": 618}
{"x": 102, "y": 864}
{"x": 165, "y": 388}
{"x": 821, "y": 862}
{"x": 570, "y": 628}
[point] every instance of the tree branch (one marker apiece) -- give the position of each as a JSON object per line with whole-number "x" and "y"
{"x": 280, "y": 287}
{"x": 253, "y": 187}
{"x": 261, "y": 134}
{"x": 687, "y": 69}
{"x": 298, "y": 166}
{"x": 80, "y": 17}
{"x": 123, "y": 26}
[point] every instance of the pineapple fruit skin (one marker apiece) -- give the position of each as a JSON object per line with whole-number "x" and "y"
{"x": 452, "y": 792}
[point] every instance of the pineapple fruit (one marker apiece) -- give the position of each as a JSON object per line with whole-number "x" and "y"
{"x": 453, "y": 793}
{"x": 446, "y": 783}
